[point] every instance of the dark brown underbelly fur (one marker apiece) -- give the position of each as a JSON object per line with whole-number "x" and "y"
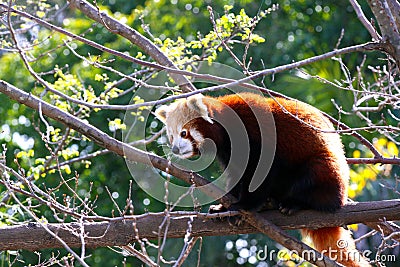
{"x": 286, "y": 186}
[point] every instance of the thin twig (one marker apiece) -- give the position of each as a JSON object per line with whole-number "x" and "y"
{"x": 360, "y": 15}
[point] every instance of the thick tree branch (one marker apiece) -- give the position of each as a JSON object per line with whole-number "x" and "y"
{"x": 119, "y": 231}
{"x": 394, "y": 6}
{"x": 264, "y": 225}
{"x": 387, "y": 14}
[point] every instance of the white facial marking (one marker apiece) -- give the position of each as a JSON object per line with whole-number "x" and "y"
{"x": 185, "y": 147}
{"x": 180, "y": 114}
{"x": 197, "y": 136}
{"x": 181, "y": 147}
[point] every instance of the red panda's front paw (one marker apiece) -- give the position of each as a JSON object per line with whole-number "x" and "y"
{"x": 217, "y": 208}
{"x": 233, "y": 220}
{"x": 288, "y": 210}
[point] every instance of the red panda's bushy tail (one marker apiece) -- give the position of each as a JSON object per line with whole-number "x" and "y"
{"x": 338, "y": 244}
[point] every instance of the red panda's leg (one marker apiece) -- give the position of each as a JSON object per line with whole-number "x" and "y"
{"x": 319, "y": 186}
{"x": 331, "y": 180}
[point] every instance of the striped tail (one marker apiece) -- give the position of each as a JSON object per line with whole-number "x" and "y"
{"x": 338, "y": 244}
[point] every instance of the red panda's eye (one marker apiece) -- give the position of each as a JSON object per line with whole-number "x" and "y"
{"x": 183, "y": 133}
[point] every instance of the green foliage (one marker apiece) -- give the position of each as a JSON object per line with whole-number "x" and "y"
{"x": 229, "y": 29}
{"x": 362, "y": 176}
{"x": 183, "y": 30}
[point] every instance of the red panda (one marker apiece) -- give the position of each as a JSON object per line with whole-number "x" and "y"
{"x": 309, "y": 168}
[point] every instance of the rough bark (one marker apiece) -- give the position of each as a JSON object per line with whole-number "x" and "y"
{"x": 387, "y": 14}
{"x": 120, "y": 232}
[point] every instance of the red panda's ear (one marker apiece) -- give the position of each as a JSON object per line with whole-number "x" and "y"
{"x": 161, "y": 113}
{"x": 196, "y": 103}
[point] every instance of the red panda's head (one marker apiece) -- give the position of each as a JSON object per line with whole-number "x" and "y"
{"x": 181, "y": 120}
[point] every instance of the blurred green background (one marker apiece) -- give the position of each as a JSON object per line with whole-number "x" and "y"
{"x": 296, "y": 30}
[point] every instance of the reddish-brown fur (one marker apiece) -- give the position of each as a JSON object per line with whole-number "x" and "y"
{"x": 309, "y": 169}
{"x": 316, "y": 156}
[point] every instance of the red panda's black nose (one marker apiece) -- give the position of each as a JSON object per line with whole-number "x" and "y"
{"x": 175, "y": 150}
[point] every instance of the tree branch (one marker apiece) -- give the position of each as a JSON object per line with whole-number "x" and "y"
{"x": 134, "y": 37}
{"x": 137, "y": 155}
{"x": 112, "y": 144}
{"x": 261, "y": 223}
{"x": 360, "y": 15}
{"x": 394, "y": 6}
{"x": 274, "y": 232}
{"x": 375, "y": 160}
{"x": 243, "y": 82}
{"x": 388, "y": 21}
{"x": 119, "y": 231}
